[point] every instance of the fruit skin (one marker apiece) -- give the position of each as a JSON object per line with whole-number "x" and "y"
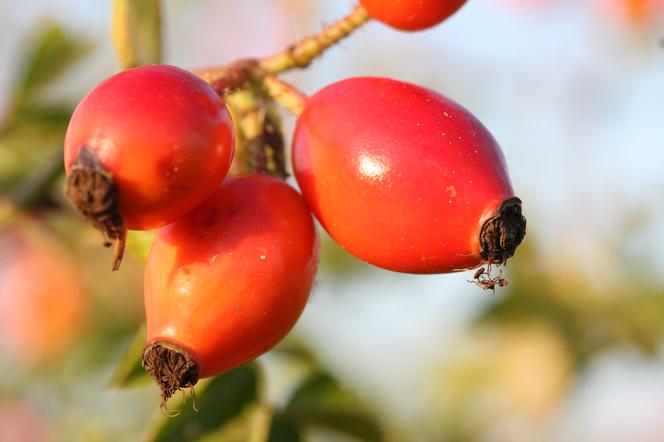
{"x": 164, "y": 135}
{"x": 399, "y": 175}
{"x": 411, "y": 15}
{"x": 228, "y": 281}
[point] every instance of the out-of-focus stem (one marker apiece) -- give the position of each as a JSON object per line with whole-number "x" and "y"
{"x": 261, "y": 421}
{"x": 136, "y": 31}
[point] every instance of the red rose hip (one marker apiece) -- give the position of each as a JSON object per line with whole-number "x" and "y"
{"x": 227, "y": 281}
{"x": 145, "y": 147}
{"x": 405, "y": 178}
{"x": 411, "y": 15}
{"x": 42, "y": 298}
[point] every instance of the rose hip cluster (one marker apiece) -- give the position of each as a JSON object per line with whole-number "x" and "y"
{"x": 400, "y": 176}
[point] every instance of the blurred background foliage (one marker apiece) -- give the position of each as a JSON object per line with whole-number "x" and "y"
{"x": 570, "y": 350}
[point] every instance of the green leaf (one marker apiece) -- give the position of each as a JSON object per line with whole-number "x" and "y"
{"x": 218, "y": 400}
{"x": 321, "y": 401}
{"x": 293, "y": 347}
{"x": 52, "y": 52}
{"x": 137, "y": 32}
{"x": 129, "y": 371}
{"x": 140, "y": 242}
{"x": 336, "y": 261}
{"x": 283, "y": 430}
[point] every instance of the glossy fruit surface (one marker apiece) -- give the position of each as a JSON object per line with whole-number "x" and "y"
{"x": 411, "y": 15}
{"x": 401, "y": 176}
{"x": 164, "y": 135}
{"x": 42, "y": 300}
{"x": 227, "y": 281}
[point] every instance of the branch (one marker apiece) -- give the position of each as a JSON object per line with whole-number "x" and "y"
{"x": 227, "y": 79}
{"x": 303, "y": 52}
{"x": 285, "y": 94}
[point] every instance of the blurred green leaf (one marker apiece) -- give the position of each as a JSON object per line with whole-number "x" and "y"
{"x": 588, "y": 322}
{"x": 37, "y": 182}
{"x": 283, "y": 430}
{"x": 337, "y": 261}
{"x": 321, "y": 401}
{"x": 137, "y": 32}
{"x": 243, "y": 428}
{"x": 292, "y": 346}
{"x": 30, "y": 128}
{"x": 52, "y": 52}
{"x": 218, "y": 400}
{"x": 140, "y": 242}
{"x": 129, "y": 371}
{"x": 640, "y": 318}
{"x": 31, "y": 136}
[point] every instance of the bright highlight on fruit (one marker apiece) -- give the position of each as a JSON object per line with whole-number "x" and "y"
{"x": 404, "y": 178}
{"x": 227, "y": 281}
{"x": 400, "y": 176}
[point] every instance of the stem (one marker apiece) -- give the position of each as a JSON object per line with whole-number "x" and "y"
{"x": 248, "y": 118}
{"x": 262, "y": 413}
{"x": 261, "y": 422}
{"x": 225, "y": 79}
{"x": 303, "y": 52}
{"x": 249, "y": 112}
{"x": 228, "y": 79}
{"x": 285, "y": 94}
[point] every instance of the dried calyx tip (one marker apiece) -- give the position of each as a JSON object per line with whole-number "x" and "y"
{"x": 502, "y": 233}
{"x": 171, "y": 367}
{"x": 92, "y": 191}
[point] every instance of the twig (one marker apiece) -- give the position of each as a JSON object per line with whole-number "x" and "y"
{"x": 227, "y": 79}
{"x": 303, "y": 52}
{"x": 285, "y": 94}
{"x": 261, "y": 422}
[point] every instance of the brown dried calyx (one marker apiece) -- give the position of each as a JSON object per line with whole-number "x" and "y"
{"x": 91, "y": 189}
{"x": 500, "y": 236}
{"x": 502, "y": 233}
{"x": 171, "y": 367}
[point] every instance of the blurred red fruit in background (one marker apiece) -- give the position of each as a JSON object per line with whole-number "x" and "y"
{"x": 19, "y": 422}
{"x": 41, "y": 296}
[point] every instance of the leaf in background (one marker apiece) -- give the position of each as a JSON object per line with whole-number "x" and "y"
{"x": 283, "y": 430}
{"x": 52, "y": 52}
{"x": 31, "y": 129}
{"x": 321, "y": 401}
{"x": 218, "y": 400}
{"x": 336, "y": 261}
{"x": 37, "y": 183}
{"x": 639, "y": 317}
{"x": 129, "y": 371}
{"x": 140, "y": 242}
{"x": 293, "y": 347}
{"x": 137, "y": 32}
{"x": 30, "y": 140}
